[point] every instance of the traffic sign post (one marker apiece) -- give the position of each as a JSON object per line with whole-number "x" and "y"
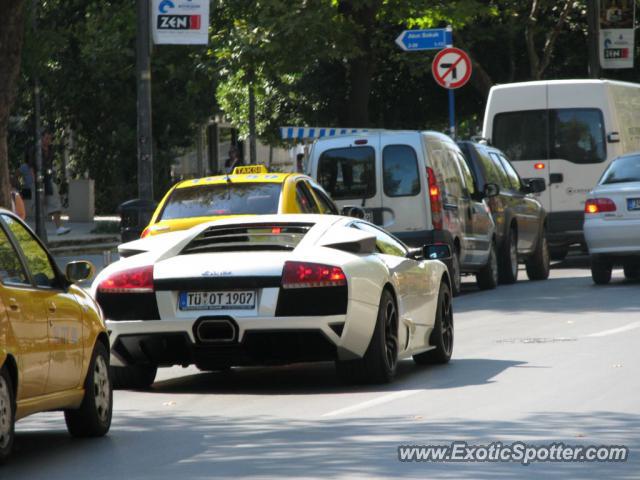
{"x": 451, "y": 69}
{"x": 430, "y": 39}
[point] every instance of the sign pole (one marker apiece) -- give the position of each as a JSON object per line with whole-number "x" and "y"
{"x": 452, "y": 114}
{"x": 452, "y": 98}
{"x": 143, "y": 74}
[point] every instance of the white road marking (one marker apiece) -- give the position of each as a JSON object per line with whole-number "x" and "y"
{"x": 373, "y": 402}
{"x": 613, "y": 331}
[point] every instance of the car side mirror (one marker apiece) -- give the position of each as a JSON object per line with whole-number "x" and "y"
{"x": 534, "y": 185}
{"x": 437, "y": 251}
{"x": 353, "y": 211}
{"x": 491, "y": 190}
{"x": 415, "y": 254}
{"x": 79, "y": 270}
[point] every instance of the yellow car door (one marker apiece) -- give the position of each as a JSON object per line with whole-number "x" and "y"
{"x": 59, "y": 307}
{"x": 27, "y": 331}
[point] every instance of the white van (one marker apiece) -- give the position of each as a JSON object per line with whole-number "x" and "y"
{"x": 567, "y": 132}
{"x": 418, "y": 186}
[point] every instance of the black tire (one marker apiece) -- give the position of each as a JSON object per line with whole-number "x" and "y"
{"x": 600, "y": 270}
{"x": 558, "y": 253}
{"x": 378, "y": 365}
{"x": 456, "y": 274}
{"x": 7, "y": 414}
{"x": 487, "y": 278}
{"x": 93, "y": 418}
{"x": 508, "y": 260}
{"x": 442, "y": 334}
{"x": 133, "y": 377}
{"x": 632, "y": 272}
{"x": 539, "y": 264}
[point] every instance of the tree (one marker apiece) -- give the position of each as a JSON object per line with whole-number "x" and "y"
{"x": 11, "y": 36}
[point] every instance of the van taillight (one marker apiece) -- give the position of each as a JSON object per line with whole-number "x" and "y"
{"x": 435, "y": 200}
{"x": 134, "y": 280}
{"x": 599, "y": 205}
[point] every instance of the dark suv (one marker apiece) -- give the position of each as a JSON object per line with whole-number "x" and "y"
{"x": 520, "y": 219}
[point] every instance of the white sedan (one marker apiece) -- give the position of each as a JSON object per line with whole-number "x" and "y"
{"x": 612, "y": 220}
{"x": 276, "y": 289}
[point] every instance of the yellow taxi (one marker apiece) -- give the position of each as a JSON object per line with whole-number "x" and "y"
{"x": 54, "y": 347}
{"x": 248, "y": 190}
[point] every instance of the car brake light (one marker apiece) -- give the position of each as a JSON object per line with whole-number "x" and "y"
{"x": 599, "y": 205}
{"x": 434, "y": 199}
{"x": 309, "y": 275}
{"x": 145, "y": 233}
{"x": 539, "y": 166}
{"x": 134, "y": 280}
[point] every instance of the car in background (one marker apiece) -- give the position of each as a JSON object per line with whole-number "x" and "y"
{"x": 277, "y": 289}
{"x": 54, "y": 347}
{"x": 248, "y": 190}
{"x": 612, "y": 220}
{"x": 520, "y": 219}
{"x": 417, "y": 186}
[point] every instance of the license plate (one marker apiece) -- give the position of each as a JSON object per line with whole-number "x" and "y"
{"x": 224, "y": 300}
{"x": 633, "y": 203}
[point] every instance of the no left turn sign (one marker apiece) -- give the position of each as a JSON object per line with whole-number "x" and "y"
{"x": 451, "y": 68}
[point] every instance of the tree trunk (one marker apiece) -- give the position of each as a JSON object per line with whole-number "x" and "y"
{"x": 11, "y": 36}
{"x": 360, "y": 67}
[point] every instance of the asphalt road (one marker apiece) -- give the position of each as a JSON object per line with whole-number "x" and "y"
{"x": 540, "y": 362}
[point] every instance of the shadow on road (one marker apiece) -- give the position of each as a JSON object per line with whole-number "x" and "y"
{"x": 321, "y": 378}
{"x": 557, "y": 294}
{"x": 173, "y": 446}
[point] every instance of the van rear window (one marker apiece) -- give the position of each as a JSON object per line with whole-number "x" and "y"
{"x": 347, "y": 173}
{"x": 573, "y": 134}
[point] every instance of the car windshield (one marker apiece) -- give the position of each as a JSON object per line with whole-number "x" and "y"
{"x": 626, "y": 169}
{"x": 222, "y": 199}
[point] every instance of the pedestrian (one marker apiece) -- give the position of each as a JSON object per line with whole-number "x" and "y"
{"x": 53, "y": 206}
{"x": 234, "y": 159}
{"x": 17, "y": 205}
{"x": 300, "y": 162}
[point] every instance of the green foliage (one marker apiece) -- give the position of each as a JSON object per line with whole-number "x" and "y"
{"x": 306, "y": 59}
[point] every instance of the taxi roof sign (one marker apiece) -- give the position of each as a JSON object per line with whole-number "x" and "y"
{"x": 248, "y": 169}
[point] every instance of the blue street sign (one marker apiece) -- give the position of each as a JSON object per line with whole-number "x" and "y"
{"x": 430, "y": 39}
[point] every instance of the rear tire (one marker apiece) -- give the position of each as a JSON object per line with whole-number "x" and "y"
{"x": 379, "y": 362}
{"x": 133, "y": 377}
{"x": 93, "y": 418}
{"x": 442, "y": 334}
{"x": 600, "y": 270}
{"x": 487, "y": 278}
{"x": 539, "y": 264}
{"x": 508, "y": 261}
{"x": 632, "y": 272}
{"x": 456, "y": 274}
{"x": 7, "y": 414}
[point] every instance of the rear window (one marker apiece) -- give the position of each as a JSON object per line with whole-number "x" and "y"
{"x": 222, "y": 199}
{"x": 400, "y": 171}
{"x": 626, "y": 169}
{"x": 573, "y": 134}
{"x": 348, "y": 172}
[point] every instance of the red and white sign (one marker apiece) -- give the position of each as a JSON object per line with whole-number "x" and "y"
{"x": 451, "y": 68}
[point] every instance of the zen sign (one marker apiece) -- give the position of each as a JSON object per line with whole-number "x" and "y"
{"x": 180, "y": 21}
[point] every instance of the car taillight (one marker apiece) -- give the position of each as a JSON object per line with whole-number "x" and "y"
{"x": 434, "y": 199}
{"x": 599, "y": 205}
{"x": 309, "y": 275}
{"x": 134, "y": 280}
{"x": 145, "y": 233}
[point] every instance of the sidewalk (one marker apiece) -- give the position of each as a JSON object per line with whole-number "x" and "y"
{"x": 91, "y": 237}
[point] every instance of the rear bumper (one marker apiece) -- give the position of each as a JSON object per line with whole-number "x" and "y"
{"x": 565, "y": 228}
{"x": 612, "y": 236}
{"x": 255, "y": 341}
